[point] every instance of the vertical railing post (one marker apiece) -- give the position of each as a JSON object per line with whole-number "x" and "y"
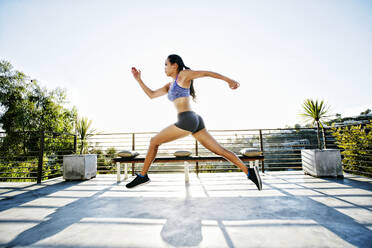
{"x": 133, "y": 148}
{"x": 324, "y": 138}
{"x": 41, "y": 158}
{"x": 75, "y": 143}
{"x": 196, "y": 154}
{"x": 262, "y": 150}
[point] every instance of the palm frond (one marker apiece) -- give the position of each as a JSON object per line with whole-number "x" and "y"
{"x": 84, "y": 131}
{"x": 314, "y": 110}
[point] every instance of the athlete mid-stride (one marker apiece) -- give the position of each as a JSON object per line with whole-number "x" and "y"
{"x": 179, "y": 91}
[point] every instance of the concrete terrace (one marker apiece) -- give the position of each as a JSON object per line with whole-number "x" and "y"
{"x": 214, "y": 210}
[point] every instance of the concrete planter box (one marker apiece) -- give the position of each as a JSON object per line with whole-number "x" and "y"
{"x": 79, "y": 167}
{"x": 322, "y": 163}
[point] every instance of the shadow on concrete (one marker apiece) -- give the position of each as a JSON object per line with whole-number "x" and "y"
{"x": 352, "y": 182}
{"x": 184, "y": 216}
{"x": 19, "y": 199}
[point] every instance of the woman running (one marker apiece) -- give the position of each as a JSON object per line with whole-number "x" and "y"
{"x": 188, "y": 121}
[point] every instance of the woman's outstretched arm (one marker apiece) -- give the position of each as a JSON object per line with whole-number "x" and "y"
{"x": 190, "y": 75}
{"x": 151, "y": 93}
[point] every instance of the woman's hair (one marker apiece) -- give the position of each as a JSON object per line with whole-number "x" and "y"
{"x": 174, "y": 58}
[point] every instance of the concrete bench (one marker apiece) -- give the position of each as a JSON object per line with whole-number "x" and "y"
{"x": 253, "y": 160}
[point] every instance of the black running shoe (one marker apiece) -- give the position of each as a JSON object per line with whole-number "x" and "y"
{"x": 139, "y": 180}
{"x": 254, "y": 176}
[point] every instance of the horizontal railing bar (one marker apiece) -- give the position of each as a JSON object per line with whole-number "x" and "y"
{"x": 18, "y": 178}
{"x": 278, "y": 168}
{"x": 267, "y": 160}
{"x": 356, "y": 165}
{"x": 360, "y": 172}
{"x": 357, "y": 155}
{"x": 52, "y": 175}
{"x": 346, "y": 150}
{"x": 361, "y": 166}
{"x": 22, "y": 167}
{"x": 18, "y": 162}
{"x": 49, "y": 170}
{"x": 20, "y": 172}
{"x": 343, "y": 163}
{"x": 30, "y": 131}
{"x": 282, "y": 154}
{"x": 361, "y": 161}
{"x": 30, "y": 152}
{"x": 268, "y": 163}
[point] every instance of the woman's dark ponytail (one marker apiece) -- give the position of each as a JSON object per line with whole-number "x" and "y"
{"x": 173, "y": 58}
{"x": 192, "y": 90}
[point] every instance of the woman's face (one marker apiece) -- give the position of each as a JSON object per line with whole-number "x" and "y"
{"x": 169, "y": 68}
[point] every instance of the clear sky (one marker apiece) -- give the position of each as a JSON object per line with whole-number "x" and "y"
{"x": 281, "y": 52}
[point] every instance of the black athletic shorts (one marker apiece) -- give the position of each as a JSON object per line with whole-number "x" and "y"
{"x": 190, "y": 121}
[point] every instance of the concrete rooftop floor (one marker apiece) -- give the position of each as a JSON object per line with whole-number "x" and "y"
{"x": 214, "y": 210}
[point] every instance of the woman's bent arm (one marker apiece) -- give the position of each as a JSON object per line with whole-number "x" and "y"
{"x": 190, "y": 75}
{"x": 146, "y": 89}
{"x": 154, "y": 93}
{"x": 151, "y": 93}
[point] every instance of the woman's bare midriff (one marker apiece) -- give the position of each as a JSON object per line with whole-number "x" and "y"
{"x": 182, "y": 104}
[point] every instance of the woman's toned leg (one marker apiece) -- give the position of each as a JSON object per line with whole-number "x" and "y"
{"x": 168, "y": 134}
{"x": 211, "y": 144}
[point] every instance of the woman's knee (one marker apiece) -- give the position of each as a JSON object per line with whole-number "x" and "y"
{"x": 155, "y": 142}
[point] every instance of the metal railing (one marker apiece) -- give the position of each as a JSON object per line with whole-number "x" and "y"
{"x": 34, "y": 155}
{"x": 281, "y": 147}
{"x": 41, "y": 157}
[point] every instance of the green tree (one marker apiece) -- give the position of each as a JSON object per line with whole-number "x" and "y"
{"x": 28, "y": 107}
{"x": 25, "y": 110}
{"x": 315, "y": 112}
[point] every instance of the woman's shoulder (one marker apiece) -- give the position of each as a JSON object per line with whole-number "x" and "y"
{"x": 184, "y": 75}
{"x": 183, "y": 79}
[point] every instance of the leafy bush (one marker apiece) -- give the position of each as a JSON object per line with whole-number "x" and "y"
{"x": 356, "y": 142}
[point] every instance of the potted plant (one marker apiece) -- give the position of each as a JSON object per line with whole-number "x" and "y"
{"x": 319, "y": 162}
{"x": 83, "y": 165}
